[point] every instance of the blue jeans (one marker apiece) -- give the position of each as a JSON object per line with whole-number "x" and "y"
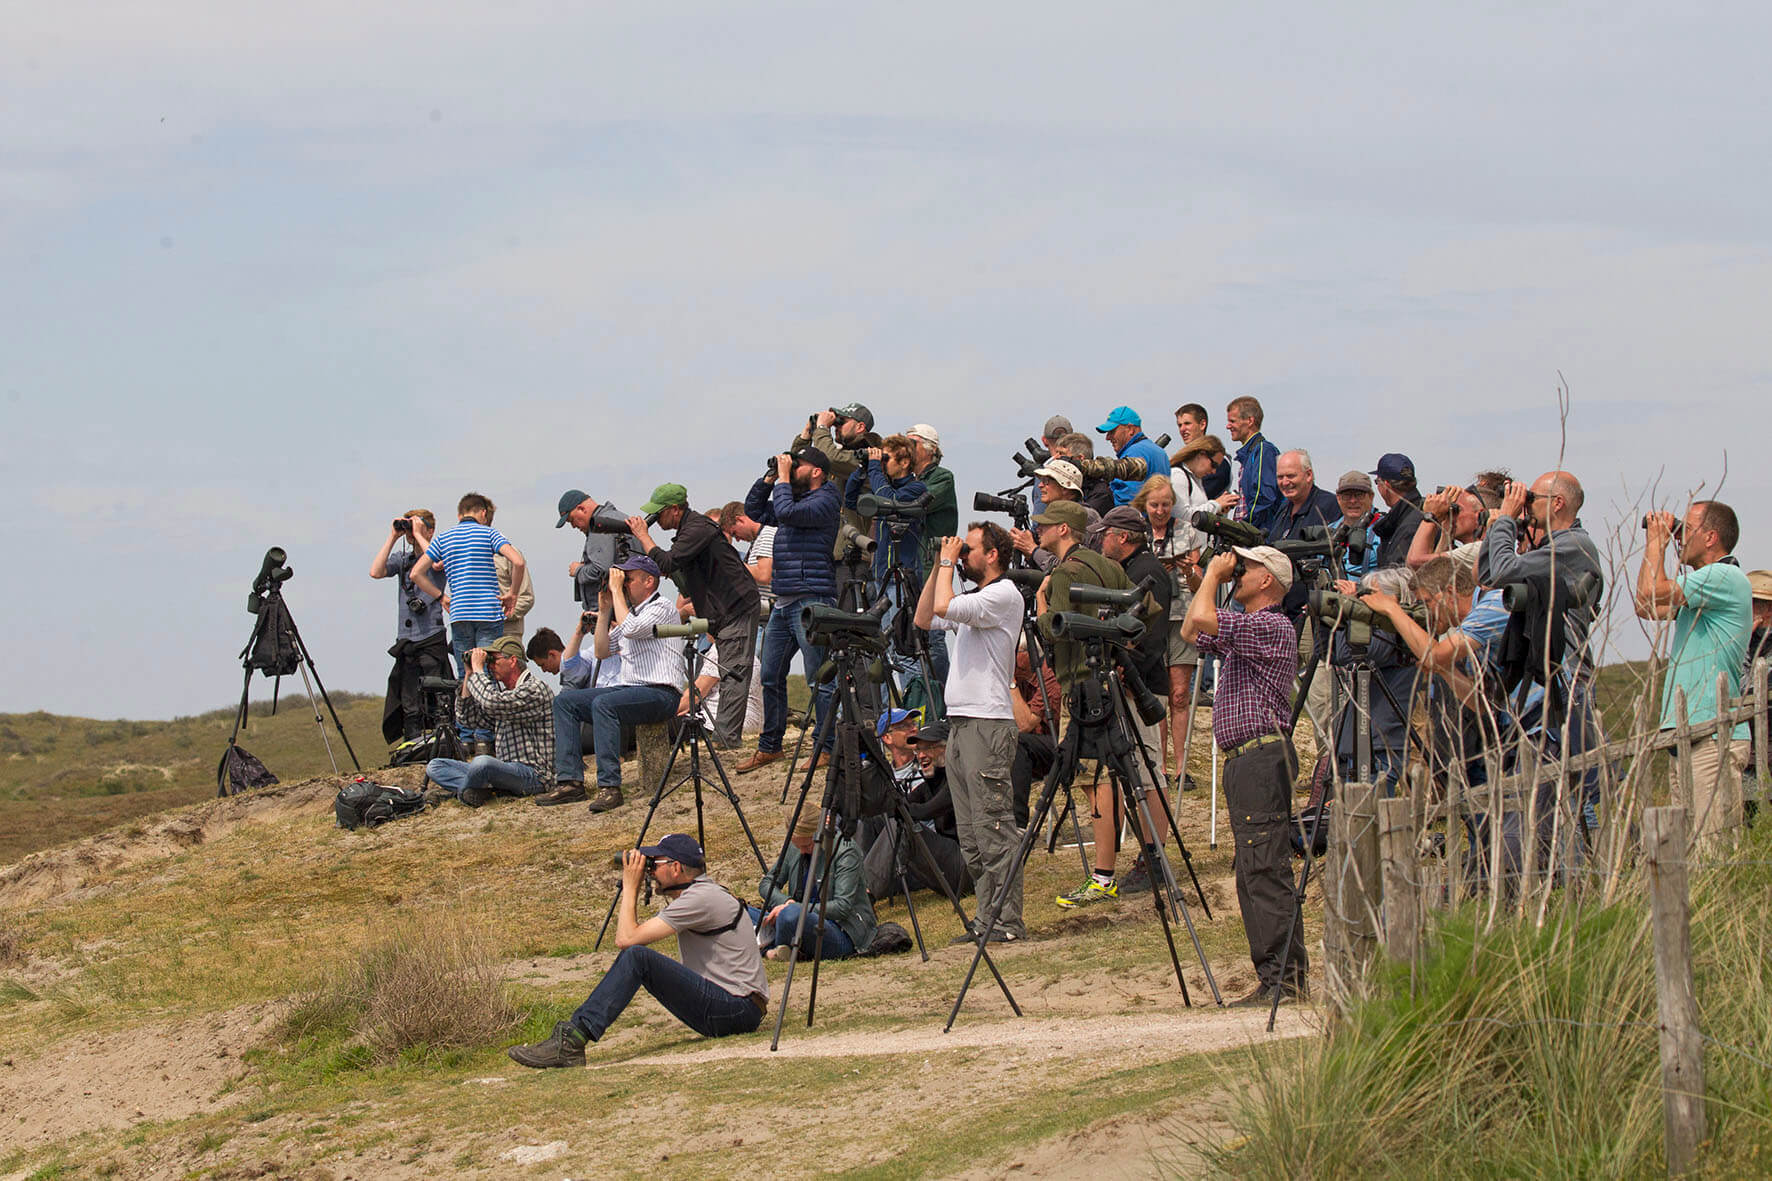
{"x": 837, "y": 945}
{"x": 463, "y": 635}
{"x": 606, "y": 708}
{"x": 512, "y": 779}
{"x": 694, "y": 1000}
{"x": 782, "y": 637}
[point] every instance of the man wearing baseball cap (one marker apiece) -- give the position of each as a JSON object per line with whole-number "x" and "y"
{"x": 844, "y": 434}
{"x": 942, "y": 520}
{"x": 503, "y": 697}
{"x": 1251, "y": 723}
{"x": 718, "y": 989}
{"x": 1125, "y": 430}
{"x": 703, "y": 563}
{"x": 1354, "y": 533}
{"x": 603, "y": 547}
{"x": 651, "y": 680}
{"x": 1397, "y": 485}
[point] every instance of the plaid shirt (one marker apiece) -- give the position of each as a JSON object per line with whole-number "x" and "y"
{"x": 1254, "y": 692}
{"x": 521, "y": 719}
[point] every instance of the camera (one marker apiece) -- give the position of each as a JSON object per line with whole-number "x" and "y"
{"x": 1120, "y": 600}
{"x": 417, "y": 604}
{"x": 853, "y": 544}
{"x": 1103, "y": 468}
{"x": 402, "y": 525}
{"x": 870, "y": 506}
{"x": 1119, "y": 631}
{"x": 1016, "y": 506}
{"x": 1521, "y": 596}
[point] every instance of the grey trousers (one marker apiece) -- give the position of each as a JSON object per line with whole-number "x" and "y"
{"x": 1258, "y": 793}
{"x": 735, "y": 647}
{"x": 980, "y": 753}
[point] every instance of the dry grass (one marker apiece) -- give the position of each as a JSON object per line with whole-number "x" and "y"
{"x": 12, "y": 941}
{"x": 426, "y": 985}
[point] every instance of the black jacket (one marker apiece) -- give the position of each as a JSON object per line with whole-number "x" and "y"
{"x": 709, "y": 570}
{"x": 1396, "y": 532}
{"x": 1151, "y": 656}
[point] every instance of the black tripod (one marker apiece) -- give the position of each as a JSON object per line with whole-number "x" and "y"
{"x": 692, "y": 735}
{"x": 1102, "y": 727}
{"x": 1028, "y": 580}
{"x": 853, "y": 789}
{"x": 277, "y": 650}
{"x": 852, "y": 596}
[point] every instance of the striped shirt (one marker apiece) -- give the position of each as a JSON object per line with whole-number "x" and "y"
{"x": 465, "y": 551}
{"x": 1254, "y": 692}
{"x": 762, "y": 546}
{"x": 644, "y": 659}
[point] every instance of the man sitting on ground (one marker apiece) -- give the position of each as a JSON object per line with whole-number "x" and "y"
{"x": 719, "y": 988}
{"x": 507, "y": 700}
{"x": 848, "y": 914}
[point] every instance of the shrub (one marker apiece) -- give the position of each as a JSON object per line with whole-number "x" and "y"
{"x": 424, "y": 986}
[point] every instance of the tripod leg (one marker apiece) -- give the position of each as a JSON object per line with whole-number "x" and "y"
{"x": 319, "y": 721}
{"x": 1174, "y": 828}
{"x": 1187, "y": 741}
{"x": 731, "y": 795}
{"x": 308, "y": 659}
{"x": 896, "y": 828}
{"x": 1131, "y": 793}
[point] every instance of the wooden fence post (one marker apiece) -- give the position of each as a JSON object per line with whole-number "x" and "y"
{"x": 1351, "y": 888}
{"x": 1680, "y": 791}
{"x": 1761, "y": 753}
{"x": 1682, "y": 1059}
{"x": 652, "y": 741}
{"x": 1402, "y": 893}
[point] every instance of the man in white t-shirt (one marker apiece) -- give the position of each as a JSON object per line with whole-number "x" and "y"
{"x": 986, "y": 623}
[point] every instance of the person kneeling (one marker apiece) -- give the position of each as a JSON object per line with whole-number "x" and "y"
{"x": 848, "y": 914}
{"x": 720, "y": 987}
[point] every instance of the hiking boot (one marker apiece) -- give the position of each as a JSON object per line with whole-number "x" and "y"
{"x": 969, "y": 935}
{"x": 436, "y": 797}
{"x": 607, "y": 799}
{"x": 475, "y": 797}
{"x": 815, "y": 762}
{"x": 761, "y": 759}
{"x": 1003, "y": 935}
{"x": 563, "y": 793}
{"x": 1263, "y": 996}
{"x": 565, "y": 1048}
{"x": 1091, "y": 891}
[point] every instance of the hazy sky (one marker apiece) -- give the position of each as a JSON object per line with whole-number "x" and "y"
{"x": 273, "y": 275}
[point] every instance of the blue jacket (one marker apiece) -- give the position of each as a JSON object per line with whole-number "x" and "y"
{"x": 1320, "y": 508}
{"x": 805, "y": 534}
{"x": 903, "y": 491}
{"x": 1155, "y": 464}
{"x": 1257, "y": 482}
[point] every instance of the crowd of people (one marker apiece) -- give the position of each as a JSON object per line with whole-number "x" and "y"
{"x": 1481, "y": 598}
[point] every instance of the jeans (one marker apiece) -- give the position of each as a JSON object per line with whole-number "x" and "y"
{"x": 512, "y": 779}
{"x": 606, "y": 708}
{"x": 465, "y": 634}
{"x": 837, "y": 945}
{"x": 694, "y": 1000}
{"x": 782, "y": 637}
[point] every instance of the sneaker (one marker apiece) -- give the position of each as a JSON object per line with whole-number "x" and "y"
{"x": 1090, "y": 891}
{"x": 607, "y": 799}
{"x": 564, "y": 793}
{"x": 475, "y": 797}
{"x": 1205, "y": 699}
{"x": 1263, "y": 996}
{"x": 565, "y": 1048}
{"x": 761, "y": 759}
{"x": 777, "y": 953}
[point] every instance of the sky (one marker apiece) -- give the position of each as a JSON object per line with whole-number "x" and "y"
{"x": 271, "y": 276}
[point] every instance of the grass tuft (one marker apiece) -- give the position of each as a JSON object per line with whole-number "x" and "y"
{"x": 424, "y": 988}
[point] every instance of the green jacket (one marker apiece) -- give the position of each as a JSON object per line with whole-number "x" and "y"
{"x": 944, "y": 513}
{"x": 847, "y": 905}
{"x": 1084, "y": 567}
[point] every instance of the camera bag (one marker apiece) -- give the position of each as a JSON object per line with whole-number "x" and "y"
{"x": 362, "y": 804}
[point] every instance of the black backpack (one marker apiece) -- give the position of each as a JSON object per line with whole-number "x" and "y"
{"x": 362, "y": 804}
{"x": 240, "y": 770}
{"x": 889, "y": 939}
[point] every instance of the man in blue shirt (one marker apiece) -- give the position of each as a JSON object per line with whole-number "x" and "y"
{"x": 1257, "y": 496}
{"x": 1712, "y": 610}
{"x": 1125, "y": 431}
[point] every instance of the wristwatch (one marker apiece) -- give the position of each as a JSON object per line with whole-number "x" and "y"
{"x": 947, "y": 563}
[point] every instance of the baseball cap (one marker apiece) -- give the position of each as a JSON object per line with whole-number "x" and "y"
{"x": 568, "y": 501}
{"x": 926, "y": 433}
{"x": 1065, "y": 512}
{"x": 815, "y": 457}
{"x": 1062, "y": 472}
{"x": 641, "y": 563}
{"x": 677, "y": 846}
{"x": 1354, "y": 482}
{"x": 891, "y": 718}
{"x": 1276, "y": 562}
{"x": 856, "y": 411}
{"x": 1124, "y": 516}
{"x": 932, "y": 734}
{"x": 507, "y": 646}
{"x": 1760, "y": 582}
{"x": 663, "y": 495}
{"x": 1393, "y": 465}
{"x": 1055, "y": 426}
{"x": 1120, "y": 416}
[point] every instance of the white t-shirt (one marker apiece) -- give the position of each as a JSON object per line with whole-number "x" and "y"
{"x": 753, "y": 711}
{"x": 981, "y": 663}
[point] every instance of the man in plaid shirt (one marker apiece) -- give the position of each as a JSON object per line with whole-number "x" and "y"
{"x": 1251, "y": 721}
{"x": 502, "y": 695}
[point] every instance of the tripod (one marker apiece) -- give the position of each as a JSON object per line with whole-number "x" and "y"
{"x": 851, "y": 597}
{"x": 692, "y": 736}
{"x": 847, "y": 796}
{"x": 1101, "y": 720}
{"x": 277, "y": 649}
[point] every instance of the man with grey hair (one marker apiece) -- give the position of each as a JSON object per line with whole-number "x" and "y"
{"x": 1302, "y": 503}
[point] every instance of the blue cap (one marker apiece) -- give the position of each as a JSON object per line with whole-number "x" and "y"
{"x": 678, "y": 847}
{"x": 891, "y": 718}
{"x": 1120, "y": 416}
{"x": 1393, "y": 466}
{"x": 642, "y": 563}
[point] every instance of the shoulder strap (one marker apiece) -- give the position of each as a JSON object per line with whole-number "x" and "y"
{"x": 738, "y": 913}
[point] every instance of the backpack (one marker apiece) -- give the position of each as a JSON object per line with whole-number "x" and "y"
{"x": 362, "y": 804}
{"x": 889, "y": 939}
{"x": 240, "y": 770}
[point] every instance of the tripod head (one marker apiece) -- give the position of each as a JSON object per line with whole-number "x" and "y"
{"x": 1107, "y": 644}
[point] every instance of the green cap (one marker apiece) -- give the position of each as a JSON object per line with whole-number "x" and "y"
{"x": 663, "y": 495}
{"x": 1066, "y": 512}
{"x": 506, "y": 646}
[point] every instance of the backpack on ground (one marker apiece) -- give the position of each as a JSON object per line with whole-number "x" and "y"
{"x": 362, "y": 804}
{"x": 240, "y": 770}
{"x": 889, "y": 939}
